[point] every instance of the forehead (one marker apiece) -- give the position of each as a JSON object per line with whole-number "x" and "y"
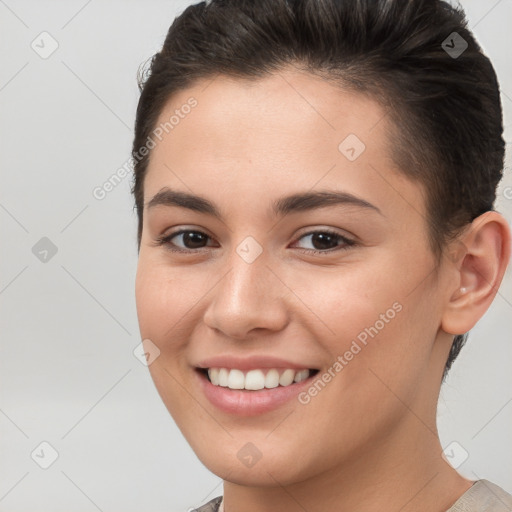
{"x": 278, "y": 111}
{"x": 288, "y": 131}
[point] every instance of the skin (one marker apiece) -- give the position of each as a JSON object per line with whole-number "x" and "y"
{"x": 368, "y": 441}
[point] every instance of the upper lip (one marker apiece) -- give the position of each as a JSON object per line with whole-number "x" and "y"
{"x": 250, "y": 363}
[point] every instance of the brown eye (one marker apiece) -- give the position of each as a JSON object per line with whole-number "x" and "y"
{"x": 327, "y": 241}
{"x": 190, "y": 240}
{"x": 323, "y": 241}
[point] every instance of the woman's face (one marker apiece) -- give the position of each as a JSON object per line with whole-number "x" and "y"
{"x": 364, "y": 310}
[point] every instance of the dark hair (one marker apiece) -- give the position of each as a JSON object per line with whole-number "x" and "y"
{"x": 417, "y": 58}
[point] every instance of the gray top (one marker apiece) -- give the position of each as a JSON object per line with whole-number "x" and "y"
{"x": 482, "y": 496}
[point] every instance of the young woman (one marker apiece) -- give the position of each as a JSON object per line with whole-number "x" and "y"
{"x": 314, "y": 181}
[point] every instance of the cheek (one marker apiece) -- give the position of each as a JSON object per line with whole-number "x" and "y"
{"x": 164, "y": 300}
{"x": 382, "y": 333}
{"x": 168, "y": 302}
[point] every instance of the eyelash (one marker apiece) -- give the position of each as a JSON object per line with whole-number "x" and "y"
{"x": 166, "y": 240}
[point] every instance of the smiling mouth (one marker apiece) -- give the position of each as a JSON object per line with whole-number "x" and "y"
{"x": 255, "y": 380}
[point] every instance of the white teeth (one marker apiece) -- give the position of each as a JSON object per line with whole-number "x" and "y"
{"x": 272, "y": 379}
{"x": 301, "y": 375}
{"x": 255, "y": 379}
{"x": 223, "y": 377}
{"x": 236, "y": 379}
{"x": 287, "y": 377}
{"x": 213, "y": 373}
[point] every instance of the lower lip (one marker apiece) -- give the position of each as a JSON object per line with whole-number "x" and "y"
{"x": 250, "y": 403}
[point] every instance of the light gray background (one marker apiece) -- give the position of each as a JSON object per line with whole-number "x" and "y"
{"x": 69, "y": 326}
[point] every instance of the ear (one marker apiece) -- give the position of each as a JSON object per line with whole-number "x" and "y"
{"x": 482, "y": 256}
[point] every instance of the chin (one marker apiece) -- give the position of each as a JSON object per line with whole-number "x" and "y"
{"x": 262, "y": 474}
{"x": 259, "y": 464}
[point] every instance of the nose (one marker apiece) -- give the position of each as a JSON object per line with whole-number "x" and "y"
{"x": 249, "y": 297}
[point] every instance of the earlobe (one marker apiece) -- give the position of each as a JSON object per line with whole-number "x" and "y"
{"x": 479, "y": 269}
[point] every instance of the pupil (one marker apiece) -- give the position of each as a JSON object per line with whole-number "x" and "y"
{"x": 322, "y": 237}
{"x": 189, "y": 239}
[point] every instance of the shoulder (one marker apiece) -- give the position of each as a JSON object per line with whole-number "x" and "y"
{"x": 483, "y": 496}
{"x": 211, "y": 506}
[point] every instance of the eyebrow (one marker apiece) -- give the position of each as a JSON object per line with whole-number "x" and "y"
{"x": 299, "y": 202}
